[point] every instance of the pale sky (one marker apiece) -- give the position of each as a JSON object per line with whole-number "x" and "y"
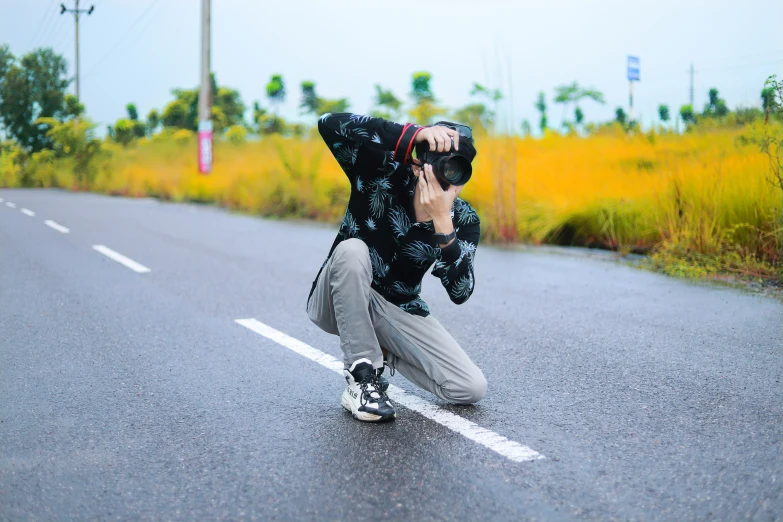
{"x": 138, "y": 51}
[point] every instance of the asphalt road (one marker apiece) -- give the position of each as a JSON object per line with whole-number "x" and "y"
{"x": 130, "y": 394}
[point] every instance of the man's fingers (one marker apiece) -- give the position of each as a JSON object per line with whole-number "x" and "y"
{"x": 431, "y": 140}
{"x": 449, "y": 139}
{"x": 455, "y": 138}
{"x": 440, "y": 141}
{"x": 427, "y": 178}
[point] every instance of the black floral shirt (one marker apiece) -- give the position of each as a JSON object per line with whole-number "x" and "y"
{"x": 380, "y": 212}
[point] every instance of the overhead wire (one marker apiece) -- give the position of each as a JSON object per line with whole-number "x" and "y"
{"x": 122, "y": 38}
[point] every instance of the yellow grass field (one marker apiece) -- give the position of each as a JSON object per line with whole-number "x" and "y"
{"x": 699, "y": 194}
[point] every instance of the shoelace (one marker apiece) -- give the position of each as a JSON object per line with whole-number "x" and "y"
{"x": 367, "y": 393}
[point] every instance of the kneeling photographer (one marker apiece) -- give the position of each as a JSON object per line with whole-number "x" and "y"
{"x": 403, "y": 217}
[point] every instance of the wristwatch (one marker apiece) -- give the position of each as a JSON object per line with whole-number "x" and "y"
{"x": 443, "y": 239}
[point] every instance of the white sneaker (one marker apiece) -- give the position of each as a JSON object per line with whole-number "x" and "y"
{"x": 363, "y": 396}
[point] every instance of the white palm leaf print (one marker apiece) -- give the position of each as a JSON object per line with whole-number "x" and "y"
{"x": 389, "y": 165}
{"x": 359, "y": 132}
{"x": 360, "y": 118}
{"x": 468, "y": 248}
{"x": 380, "y": 193}
{"x": 359, "y": 184}
{"x": 344, "y": 131}
{"x": 325, "y": 116}
{"x": 370, "y": 223}
{"x": 462, "y": 286}
{"x": 421, "y": 253}
{"x": 465, "y": 214}
{"x": 376, "y": 138}
{"x": 399, "y": 221}
{"x": 467, "y": 251}
{"x": 405, "y": 289}
{"x": 426, "y": 225}
{"x": 379, "y": 268}
{"x": 349, "y": 227}
{"x": 345, "y": 154}
{"x": 416, "y": 304}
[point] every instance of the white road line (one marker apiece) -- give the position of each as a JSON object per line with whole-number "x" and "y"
{"x": 487, "y": 438}
{"x": 58, "y": 227}
{"x": 116, "y": 256}
{"x": 12, "y": 205}
{"x": 28, "y": 212}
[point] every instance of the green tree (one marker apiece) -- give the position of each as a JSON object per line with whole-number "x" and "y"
{"x": 421, "y": 90}
{"x": 476, "y": 116}
{"x": 540, "y": 106}
{"x": 133, "y": 114}
{"x": 486, "y": 96}
{"x": 771, "y": 142}
{"x": 309, "y": 104}
{"x": 275, "y": 91}
{"x": 527, "y": 130}
{"x": 579, "y": 116}
{"x": 687, "y": 114}
{"x": 572, "y": 94}
{"x": 663, "y": 112}
{"x": 73, "y": 109}
{"x": 620, "y": 116}
{"x": 230, "y": 105}
{"x": 716, "y": 107}
{"x": 328, "y": 105}
{"x": 31, "y": 90}
{"x": 425, "y": 108}
{"x": 182, "y": 112}
{"x": 153, "y": 121}
{"x": 76, "y": 140}
{"x": 387, "y": 105}
{"x": 768, "y": 100}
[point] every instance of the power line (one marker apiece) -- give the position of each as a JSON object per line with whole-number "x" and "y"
{"x": 117, "y": 44}
{"x": 46, "y": 15}
{"x": 742, "y": 66}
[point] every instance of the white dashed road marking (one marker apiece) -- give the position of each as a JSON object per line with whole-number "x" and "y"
{"x": 12, "y": 205}
{"x": 28, "y": 212}
{"x": 487, "y": 438}
{"x": 58, "y": 227}
{"x": 121, "y": 259}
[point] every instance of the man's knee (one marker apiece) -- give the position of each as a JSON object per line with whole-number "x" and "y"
{"x": 469, "y": 390}
{"x": 352, "y": 254}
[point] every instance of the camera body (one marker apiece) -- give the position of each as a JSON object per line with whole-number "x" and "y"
{"x": 453, "y": 167}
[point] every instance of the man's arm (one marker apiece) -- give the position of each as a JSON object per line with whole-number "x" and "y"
{"x": 455, "y": 266}
{"x": 347, "y": 134}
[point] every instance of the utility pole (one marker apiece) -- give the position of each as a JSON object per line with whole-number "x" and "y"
{"x": 76, "y": 11}
{"x": 205, "y": 96}
{"x": 691, "y": 98}
{"x": 633, "y": 76}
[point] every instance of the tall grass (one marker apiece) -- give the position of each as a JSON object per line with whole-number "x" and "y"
{"x": 700, "y": 201}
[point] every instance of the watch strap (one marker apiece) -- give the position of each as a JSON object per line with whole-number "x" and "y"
{"x": 443, "y": 239}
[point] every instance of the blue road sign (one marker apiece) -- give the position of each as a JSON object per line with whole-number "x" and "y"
{"x": 633, "y": 69}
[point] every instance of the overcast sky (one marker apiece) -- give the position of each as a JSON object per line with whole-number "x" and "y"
{"x": 138, "y": 50}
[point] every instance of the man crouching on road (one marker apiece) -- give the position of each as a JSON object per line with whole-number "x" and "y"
{"x": 403, "y": 216}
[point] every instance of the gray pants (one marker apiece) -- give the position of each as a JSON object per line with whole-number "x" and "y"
{"x": 344, "y": 304}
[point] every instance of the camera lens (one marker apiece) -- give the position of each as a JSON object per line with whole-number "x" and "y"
{"x": 454, "y": 170}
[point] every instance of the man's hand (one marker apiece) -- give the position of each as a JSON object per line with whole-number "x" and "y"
{"x": 436, "y": 201}
{"x": 440, "y": 138}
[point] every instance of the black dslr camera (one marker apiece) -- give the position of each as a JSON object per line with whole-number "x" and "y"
{"x": 453, "y": 167}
